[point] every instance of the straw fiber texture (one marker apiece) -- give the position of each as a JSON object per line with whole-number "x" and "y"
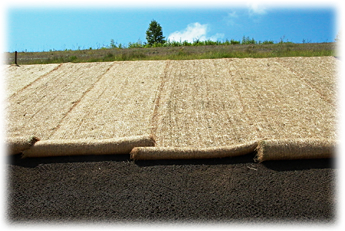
{"x": 290, "y": 149}
{"x": 40, "y": 108}
{"x": 196, "y": 104}
{"x": 17, "y": 145}
{"x": 317, "y": 72}
{"x": 17, "y": 78}
{"x": 87, "y": 147}
{"x": 213, "y": 103}
{"x": 156, "y": 153}
{"x": 120, "y": 104}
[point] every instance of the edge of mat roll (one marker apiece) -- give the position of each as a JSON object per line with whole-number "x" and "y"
{"x": 160, "y": 153}
{"x": 293, "y": 149}
{"x": 122, "y": 145}
{"x": 19, "y": 144}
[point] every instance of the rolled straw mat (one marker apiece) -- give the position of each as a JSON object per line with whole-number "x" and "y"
{"x": 289, "y": 149}
{"x": 160, "y": 153}
{"x": 284, "y": 149}
{"x": 17, "y": 145}
{"x": 87, "y": 147}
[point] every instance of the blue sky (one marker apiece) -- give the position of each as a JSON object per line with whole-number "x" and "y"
{"x": 57, "y": 27}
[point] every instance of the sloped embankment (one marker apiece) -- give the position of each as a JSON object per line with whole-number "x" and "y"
{"x": 192, "y": 108}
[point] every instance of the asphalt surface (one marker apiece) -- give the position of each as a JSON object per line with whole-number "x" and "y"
{"x": 116, "y": 189}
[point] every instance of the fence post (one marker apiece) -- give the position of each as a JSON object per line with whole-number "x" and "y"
{"x": 15, "y": 58}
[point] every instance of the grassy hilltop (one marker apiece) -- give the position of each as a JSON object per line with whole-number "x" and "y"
{"x": 177, "y": 51}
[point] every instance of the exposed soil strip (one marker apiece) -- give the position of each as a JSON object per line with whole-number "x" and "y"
{"x": 111, "y": 189}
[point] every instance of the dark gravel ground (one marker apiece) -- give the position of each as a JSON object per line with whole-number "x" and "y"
{"x": 116, "y": 189}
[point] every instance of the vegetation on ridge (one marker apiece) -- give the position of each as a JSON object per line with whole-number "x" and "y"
{"x": 176, "y": 53}
{"x": 157, "y": 48}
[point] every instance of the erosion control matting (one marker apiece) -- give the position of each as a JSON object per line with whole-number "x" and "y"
{"x": 279, "y": 108}
{"x": 87, "y": 147}
{"x": 17, "y": 145}
{"x": 107, "y": 188}
{"x": 154, "y": 153}
{"x": 198, "y": 104}
{"x": 285, "y": 149}
{"x": 295, "y": 149}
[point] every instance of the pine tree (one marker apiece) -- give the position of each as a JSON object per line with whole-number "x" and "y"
{"x": 154, "y": 33}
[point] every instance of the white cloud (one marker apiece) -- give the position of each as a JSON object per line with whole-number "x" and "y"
{"x": 255, "y": 8}
{"x": 233, "y": 15}
{"x": 231, "y": 18}
{"x": 253, "y": 11}
{"x": 216, "y": 37}
{"x": 192, "y": 32}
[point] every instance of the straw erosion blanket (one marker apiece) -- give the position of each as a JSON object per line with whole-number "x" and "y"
{"x": 197, "y": 104}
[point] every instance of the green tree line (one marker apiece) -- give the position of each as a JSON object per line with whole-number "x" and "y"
{"x": 155, "y": 38}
